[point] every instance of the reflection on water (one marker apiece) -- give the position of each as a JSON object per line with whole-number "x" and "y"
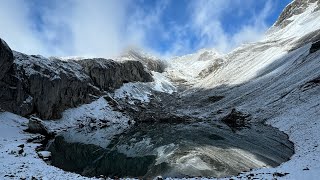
{"x": 175, "y": 150}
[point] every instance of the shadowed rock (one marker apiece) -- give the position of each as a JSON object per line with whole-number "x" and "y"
{"x": 109, "y": 75}
{"x": 236, "y": 119}
{"x": 46, "y": 87}
{"x": 6, "y": 58}
{"x": 315, "y": 47}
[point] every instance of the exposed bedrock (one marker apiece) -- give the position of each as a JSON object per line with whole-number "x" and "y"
{"x": 48, "y": 86}
{"x": 6, "y": 58}
{"x": 109, "y": 75}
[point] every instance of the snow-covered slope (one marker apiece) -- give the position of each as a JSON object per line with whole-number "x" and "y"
{"x": 245, "y": 62}
{"x": 189, "y": 68}
{"x": 276, "y": 80}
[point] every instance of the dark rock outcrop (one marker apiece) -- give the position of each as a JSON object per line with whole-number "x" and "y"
{"x": 109, "y": 75}
{"x": 6, "y": 58}
{"x": 46, "y": 87}
{"x": 315, "y": 47}
{"x": 236, "y": 119}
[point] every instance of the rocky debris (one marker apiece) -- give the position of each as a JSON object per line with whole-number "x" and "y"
{"x": 112, "y": 102}
{"x": 21, "y": 146}
{"x": 159, "y": 178}
{"x": 236, "y": 119}
{"x": 277, "y": 174}
{"x": 295, "y": 8}
{"x": 6, "y": 58}
{"x": 216, "y": 64}
{"x": 109, "y": 75}
{"x": 35, "y": 125}
{"x": 18, "y": 151}
{"x": 161, "y": 109}
{"x": 37, "y": 139}
{"x": 90, "y": 124}
{"x": 45, "y": 155}
{"x": 310, "y": 84}
{"x": 213, "y": 99}
{"x": 99, "y": 125}
{"x": 315, "y": 47}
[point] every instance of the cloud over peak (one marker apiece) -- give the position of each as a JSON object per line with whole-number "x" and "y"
{"x": 105, "y": 28}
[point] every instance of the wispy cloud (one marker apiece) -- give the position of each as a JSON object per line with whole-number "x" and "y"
{"x": 16, "y": 28}
{"x": 207, "y": 21}
{"x": 105, "y": 28}
{"x": 84, "y": 28}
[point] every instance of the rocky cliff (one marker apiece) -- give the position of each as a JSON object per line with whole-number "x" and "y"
{"x": 109, "y": 75}
{"x": 6, "y": 58}
{"x": 47, "y": 87}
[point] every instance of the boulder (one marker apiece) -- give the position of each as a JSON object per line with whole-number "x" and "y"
{"x": 35, "y": 125}
{"x": 45, "y": 155}
{"x": 6, "y": 58}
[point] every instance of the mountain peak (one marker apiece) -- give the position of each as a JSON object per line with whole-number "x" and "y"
{"x": 296, "y": 7}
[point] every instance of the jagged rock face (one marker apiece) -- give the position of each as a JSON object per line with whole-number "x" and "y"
{"x": 109, "y": 75}
{"x": 6, "y": 58}
{"x": 44, "y": 86}
{"x": 47, "y": 87}
{"x": 295, "y": 8}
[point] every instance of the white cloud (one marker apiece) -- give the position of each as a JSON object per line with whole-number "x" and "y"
{"x": 16, "y": 29}
{"x": 207, "y": 22}
{"x": 105, "y": 28}
{"x": 146, "y": 22}
{"x": 84, "y": 28}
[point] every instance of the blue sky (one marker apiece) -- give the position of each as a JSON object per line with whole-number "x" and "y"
{"x": 107, "y": 27}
